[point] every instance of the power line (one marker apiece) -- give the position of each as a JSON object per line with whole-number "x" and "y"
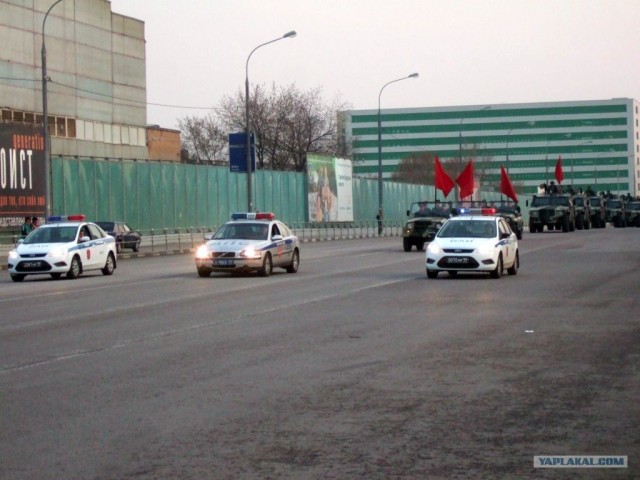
{"x": 128, "y": 100}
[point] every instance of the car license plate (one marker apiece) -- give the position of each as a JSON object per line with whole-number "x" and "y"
{"x": 458, "y": 260}
{"x": 31, "y": 265}
{"x": 223, "y": 262}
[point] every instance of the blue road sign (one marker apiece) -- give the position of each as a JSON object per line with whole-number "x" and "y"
{"x": 238, "y": 152}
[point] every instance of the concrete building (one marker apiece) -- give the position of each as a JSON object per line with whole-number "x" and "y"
{"x": 97, "y": 67}
{"x": 596, "y": 140}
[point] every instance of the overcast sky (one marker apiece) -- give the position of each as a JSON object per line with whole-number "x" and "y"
{"x": 467, "y": 52}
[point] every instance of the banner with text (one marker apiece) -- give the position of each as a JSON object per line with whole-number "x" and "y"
{"x": 22, "y": 173}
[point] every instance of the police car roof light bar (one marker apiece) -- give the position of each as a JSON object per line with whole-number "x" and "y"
{"x": 477, "y": 211}
{"x": 252, "y": 216}
{"x": 65, "y": 218}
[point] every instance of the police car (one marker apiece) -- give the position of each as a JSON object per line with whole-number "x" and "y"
{"x": 63, "y": 245}
{"x": 475, "y": 241}
{"x": 249, "y": 242}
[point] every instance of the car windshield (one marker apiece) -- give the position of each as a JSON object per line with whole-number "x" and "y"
{"x": 595, "y": 202}
{"x": 430, "y": 209}
{"x": 242, "y": 231}
{"x": 468, "y": 229}
{"x": 54, "y": 234}
{"x": 107, "y": 226}
{"x": 614, "y": 204}
{"x": 579, "y": 202}
{"x": 545, "y": 201}
{"x": 633, "y": 206}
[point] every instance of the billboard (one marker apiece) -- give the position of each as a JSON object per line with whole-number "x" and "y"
{"x": 330, "y": 187}
{"x": 22, "y": 173}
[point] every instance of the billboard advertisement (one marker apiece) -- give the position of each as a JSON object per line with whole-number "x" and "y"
{"x": 22, "y": 173}
{"x": 330, "y": 187}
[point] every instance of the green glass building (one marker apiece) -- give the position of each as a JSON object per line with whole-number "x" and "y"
{"x": 596, "y": 140}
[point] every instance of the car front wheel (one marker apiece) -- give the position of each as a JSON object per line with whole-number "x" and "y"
{"x": 75, "y": 269}
{"x": 109, "y": 266}
{"x": 295, "y": 262}
{"x": 497, "y": 273}
{"x": 204, "y": 273}
{"x": 267, "y": 266}
{"x": 432, "y": 274}
{"x": 17, "y": 277}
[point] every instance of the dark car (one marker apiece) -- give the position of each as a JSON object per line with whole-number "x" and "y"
{"x": 125, "y": 236}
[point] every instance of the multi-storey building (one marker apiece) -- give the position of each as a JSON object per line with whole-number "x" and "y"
{"x": 596, "y": 140}
{"x": 97, "y": 75}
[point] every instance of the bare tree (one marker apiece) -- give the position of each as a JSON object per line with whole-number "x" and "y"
{"x": 204, "y": 139}
{"x": 417, "y": 168}
{"x": 288, "y": 123}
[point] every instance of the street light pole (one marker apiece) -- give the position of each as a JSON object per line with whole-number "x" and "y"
{"x": 380, "y": 196}
{"x": 45, "y": 120}
{"x": 579, "y": 145}
{"x": 290, "y": 34}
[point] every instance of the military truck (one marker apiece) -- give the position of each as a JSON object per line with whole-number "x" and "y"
{"x": 556, "y": 211}
{"x": 633, "y": 213}
{"x": 598, "y": 211}
{"x": 582, "y": 209}
{"x": 425, "y": 219}
{"x": 616, "y": 213}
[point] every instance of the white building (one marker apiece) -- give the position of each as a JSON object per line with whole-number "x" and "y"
{"x": 598, "y": 141}
{"x": 97, "y": 68}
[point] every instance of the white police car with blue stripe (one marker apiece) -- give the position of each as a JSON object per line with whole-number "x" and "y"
{"x": 475, "y": 241}
{"x": 249, "y": 242}
{"x": 63, "y": 245}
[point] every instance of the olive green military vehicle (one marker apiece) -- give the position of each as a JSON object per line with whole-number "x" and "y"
{"x": 582, "y": 208}
{"x": 633, "y": 213}
{"x": 598, "y": 211}
{"x": 616, "y": 212}
{"x": 556, "y": 211}
{"x": 425, "y": 219}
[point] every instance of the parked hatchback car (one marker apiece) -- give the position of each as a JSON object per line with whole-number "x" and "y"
{"x": 125, "y": 236}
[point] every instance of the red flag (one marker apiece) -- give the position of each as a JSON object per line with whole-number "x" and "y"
{"x": 559, "y": 174}
{"x": 465, "y": 180}
{"x": 443, "y": 181}
{"x": 506, "y": 186}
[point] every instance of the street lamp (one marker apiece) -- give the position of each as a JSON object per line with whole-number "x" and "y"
{"x": 380, "y": 211}
{"x": 290, "y": 34}
{"x": 45, "y": 120}
{"x": 579, "y": 145}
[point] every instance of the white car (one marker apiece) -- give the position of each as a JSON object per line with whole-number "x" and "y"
{"x": 249, "y": 242}
{"x": 479, "y": 242}
{"x": 63, "y": 245}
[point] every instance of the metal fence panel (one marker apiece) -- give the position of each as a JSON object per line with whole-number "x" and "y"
{"x": 157, "y": 195}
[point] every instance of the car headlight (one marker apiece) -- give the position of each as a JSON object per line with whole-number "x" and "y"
{"x": 202, "y": 252}
{"x": 485, "y": 250}
{"x": 13, "y": 255}
{"x": 434, "y": 249}
{"x": 250, "y": 253}
{"x": 59, "y": 252}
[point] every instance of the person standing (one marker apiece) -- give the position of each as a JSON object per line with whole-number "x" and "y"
{"x": 27, "y": 227}
{"x": 35, "y": 223}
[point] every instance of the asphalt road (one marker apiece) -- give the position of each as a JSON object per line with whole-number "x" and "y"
{"x": 358, "y": 366}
